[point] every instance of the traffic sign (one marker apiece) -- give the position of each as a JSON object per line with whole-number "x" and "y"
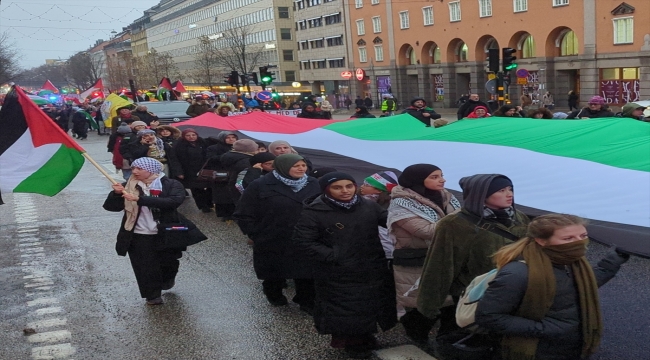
{"x": 491, "y": 86}
{"x": 346, "y": 74}
{"x": 492, "y": 76}
{"x": 360, "y": 74}
{"x": 522, "y": 80}
{"x": 522, "y": 73}
{"x": 264, "y": 96}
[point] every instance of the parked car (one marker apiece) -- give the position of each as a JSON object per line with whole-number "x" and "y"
{"x": 168, "y": 111}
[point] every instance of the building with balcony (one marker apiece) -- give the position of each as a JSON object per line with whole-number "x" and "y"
{"x": 439, "y": 49}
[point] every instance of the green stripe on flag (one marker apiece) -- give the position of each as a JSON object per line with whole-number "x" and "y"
{"x": 55, "y": 174}
{"x": 619, "y": 142}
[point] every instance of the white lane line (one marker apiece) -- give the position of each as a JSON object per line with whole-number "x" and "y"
{"x": 59, "y": 351}
{"x": 50, "y": 310}
{"x": 43, "y": 301}
{"x": 40, "y": 324}
{"x": 50, "y": 336}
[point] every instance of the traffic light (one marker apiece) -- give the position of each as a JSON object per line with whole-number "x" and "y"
{"x": 232, "y": 79}
{"x": 266, "y": 77}
{"x": 493, "y": 60}
{"x": 245, "y": 79}
{"x": 508, "y": 59}
{"x": 254, "y": 79}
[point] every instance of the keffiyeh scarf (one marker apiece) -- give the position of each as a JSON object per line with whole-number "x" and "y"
{"x": 295, "y": 185}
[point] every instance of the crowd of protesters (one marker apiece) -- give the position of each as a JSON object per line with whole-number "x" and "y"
{"x": 364, "y": 256}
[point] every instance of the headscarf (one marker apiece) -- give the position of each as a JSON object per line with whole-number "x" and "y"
{"x": 153, "y": 166}
{"x": 221, "y": 137}
{"x": 187, "y": 131}
{"x": 413, "y": 178}
{"x": 159, "y": 152}
{"x": 277, "y": 143}
{"x": 473, "y": 115}
{"x": 282, "y": 165}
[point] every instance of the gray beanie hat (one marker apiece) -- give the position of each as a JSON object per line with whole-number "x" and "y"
{"x": 245, "y": 146}
{"x": 124, "y": 128}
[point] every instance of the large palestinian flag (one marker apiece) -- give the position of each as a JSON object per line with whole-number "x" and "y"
{"x": 598, "y": 169}
{"x": 36, "y": 156}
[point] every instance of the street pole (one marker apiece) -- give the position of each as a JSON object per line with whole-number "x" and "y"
{"x": 500, "y": 89}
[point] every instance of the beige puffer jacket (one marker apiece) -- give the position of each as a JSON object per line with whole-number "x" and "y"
{"x": 409, "y": 231}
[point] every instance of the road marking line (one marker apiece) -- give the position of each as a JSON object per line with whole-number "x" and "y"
{"x": 39, "y": 284}
{"x": 43, "y": 301}
{"x": 50, "y": 310}
{"x": 28, "y": 244}
{"x": 39, "y": 254}
{"x": 47, "y": 323}
{"x": 52, "y": 351}
{"x": 404, "y": 352}
{"x": 50, "y": 336}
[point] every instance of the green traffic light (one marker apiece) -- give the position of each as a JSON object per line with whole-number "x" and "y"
{"x": 266, "y": 79}
{"x": 511, "y": 67}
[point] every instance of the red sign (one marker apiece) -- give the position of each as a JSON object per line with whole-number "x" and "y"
{"x": 346, "y": 74}
{"x": 360, "y": 74}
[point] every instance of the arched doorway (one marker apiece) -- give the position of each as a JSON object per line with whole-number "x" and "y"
{"x": 407, "y": 55}
{"x": 457, "y": 51}
{"x": 431, "y": 53}
{"x": 483, "y": 44}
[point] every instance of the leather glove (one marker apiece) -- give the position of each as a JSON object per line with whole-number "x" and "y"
{"x": 440, "y": 122}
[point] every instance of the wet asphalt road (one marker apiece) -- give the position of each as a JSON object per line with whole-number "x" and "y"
{"x": 59, "y": 275}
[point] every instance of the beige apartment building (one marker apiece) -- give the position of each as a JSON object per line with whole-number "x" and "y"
{"x": 174, "y": 27}
{"x": 320, "y": 37}
{"x": 438, "y": 49}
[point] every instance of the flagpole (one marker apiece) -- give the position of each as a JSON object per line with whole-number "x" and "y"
{"x": 100, "y": 168}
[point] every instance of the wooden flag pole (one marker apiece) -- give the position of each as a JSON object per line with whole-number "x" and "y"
{"x": 100, "y": 168}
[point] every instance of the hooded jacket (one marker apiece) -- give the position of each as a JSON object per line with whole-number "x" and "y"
{"x": 417, "y": 112}
{"x": 468, "y": 107}
{"x": 629, "y": 108}
{"x": 310, "y": 114}
{"x": 171, "y": 140}
{"x": 588, "y": 113}
{"x": 461, "y": 250}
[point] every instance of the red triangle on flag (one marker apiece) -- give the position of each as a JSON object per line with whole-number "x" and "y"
{"x": 165, "y": 83}
{"x": 49, "y": 86}
{"x": 178, "y": 87}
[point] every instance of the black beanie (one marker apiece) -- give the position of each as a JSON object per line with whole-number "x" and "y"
{"x": 261, "y": 158}
{"x": 329, "y": 178}
{"x": 413, "y": 177}
{"x": 497, "y": 184}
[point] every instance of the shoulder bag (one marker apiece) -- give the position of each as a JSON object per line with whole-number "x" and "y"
{"x": 211, "y": 176}
{"x": 179, "y": 234}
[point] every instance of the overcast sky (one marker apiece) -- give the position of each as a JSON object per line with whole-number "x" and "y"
{"x": 51, "y": 29}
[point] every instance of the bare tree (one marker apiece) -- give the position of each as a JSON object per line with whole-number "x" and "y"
{"x": 36, "y": 76}
{"x": 9, "y": 68}
{"x": 205, "y": 63}
{"x": 154, "y": 66}
{"x": 235, "y": 52}
{"x": 84, "y": 69}
{"x": 119, "y": 69}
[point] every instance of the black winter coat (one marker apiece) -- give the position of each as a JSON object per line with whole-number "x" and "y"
{"x": 191, "y": 158}
{"x": 171, "y": 197}
{"x": 220, "y": 192}
{"x": 417, "y": 113}
{"x": 560, "y": 330}
{"x": 588, "y": 113}
{"x": 354, "y": 287}
{"x": 79, "y": 122}
{"x": 234, "y": 162}
{"x": 267, "y": 212}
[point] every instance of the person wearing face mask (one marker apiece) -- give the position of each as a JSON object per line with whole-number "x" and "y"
{"x": 337, "y": 231}
{"x": 267, "y": 213}
{"x": 463, "y": 243}
{"x": 417, "y": 205}
{"x": 147, "y": 197}
{"x": 543, "y": 301}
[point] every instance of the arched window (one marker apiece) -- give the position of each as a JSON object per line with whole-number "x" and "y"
{"x": 528, "y": 47}
{"x": 434, "y": 52}
{"x": 569, "y": 45}
{"x": 410, "y": 54}
{"x": 461, "y": 53}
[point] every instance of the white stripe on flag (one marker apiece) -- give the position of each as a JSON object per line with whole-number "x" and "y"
{"x": 22, "y": 160}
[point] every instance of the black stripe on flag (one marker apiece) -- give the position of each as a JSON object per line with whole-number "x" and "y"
{"x": 12, "y": 123}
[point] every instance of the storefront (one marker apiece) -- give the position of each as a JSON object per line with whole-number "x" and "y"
{"x": 619, "y": 86}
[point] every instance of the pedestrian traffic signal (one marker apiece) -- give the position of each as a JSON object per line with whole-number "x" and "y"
{"x": 493, "y": 60}
{"x": 232, "y": 79}
{"x": 508, "y": 59}
{"x": 245, "y": 79}
{"x": 266, "y": 77}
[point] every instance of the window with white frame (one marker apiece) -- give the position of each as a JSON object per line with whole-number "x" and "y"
{"x": 358, "y": 4}
{"x": 379, "y": 52}
{"x": 623, "y": 30}
{"x": 427, "y": 15}
{"x": 374, "y": 2}
{"x": 485, "y": 8}
{"x": 520, "y": 5}
{"x": 454, "y": 11}
{"x": 376, "y": 24}
{"x": 361, "y": 28}
{"x": 404, "y": 20}
{"x": 560, "y": 2}
{"x": 363, "y": 55}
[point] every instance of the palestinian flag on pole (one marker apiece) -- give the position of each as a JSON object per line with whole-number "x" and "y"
{"x": 597, "y": 168}
{"x": 47, "y": 85}
{"x": 98, "y": 88}
{"x": 36, "y": 156}
{"x": 164, "y": 87}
